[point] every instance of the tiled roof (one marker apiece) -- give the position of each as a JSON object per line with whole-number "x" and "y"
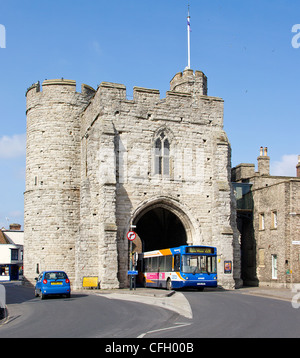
{"x": 3, "y": 239}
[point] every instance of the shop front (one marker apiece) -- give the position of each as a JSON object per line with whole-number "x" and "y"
{"x": 10, "y": 272}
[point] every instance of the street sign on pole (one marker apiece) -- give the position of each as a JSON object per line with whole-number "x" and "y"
{"x": 132, "y": 273}
{"x": 131, "y": 235}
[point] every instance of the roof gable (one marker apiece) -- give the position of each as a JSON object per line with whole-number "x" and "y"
{"x": 3, "y": 239}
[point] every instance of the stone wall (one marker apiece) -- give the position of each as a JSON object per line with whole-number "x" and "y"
{"x": 272, "y": 255}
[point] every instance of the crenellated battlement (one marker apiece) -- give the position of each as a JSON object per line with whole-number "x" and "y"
{"x": 145, "y": 94}
{"x": 185, "y": 84}
{"x": 35, "y": 87}
{"x": 59, "y": 85}
{"x": 58, "y": 91}
{"x": 189, "y": 82}
{"x": 188, "y": 88}
{"x": 111, "y": 90}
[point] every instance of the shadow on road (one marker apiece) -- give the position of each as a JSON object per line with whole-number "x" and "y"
{"x": 16, "y": 293}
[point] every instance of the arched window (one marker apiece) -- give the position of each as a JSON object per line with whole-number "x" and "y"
{"x": 162, "y": 155}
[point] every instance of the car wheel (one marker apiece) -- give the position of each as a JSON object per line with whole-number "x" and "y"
{"x": 36, "y": 294}
{"x": 42, "y": 296}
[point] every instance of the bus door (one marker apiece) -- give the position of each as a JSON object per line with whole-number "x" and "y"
{"x": 177, "y": 263}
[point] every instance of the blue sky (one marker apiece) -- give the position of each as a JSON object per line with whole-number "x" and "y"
{"x": 244, "y": 48}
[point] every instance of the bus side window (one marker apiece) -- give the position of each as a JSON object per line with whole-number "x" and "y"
{"x": 162, "y": 264}
{"x": 176, "y": 263}
{"x": 146, "y": 265}
{"x": 169, "y": 260}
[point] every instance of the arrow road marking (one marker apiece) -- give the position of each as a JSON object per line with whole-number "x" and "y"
{"x": 179, "y": 325}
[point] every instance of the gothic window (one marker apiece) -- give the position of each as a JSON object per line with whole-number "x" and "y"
{"x": 162, "y": 155}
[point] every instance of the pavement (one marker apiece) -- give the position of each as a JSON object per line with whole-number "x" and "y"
{"x": 171, "y": 300}
{"x": 285, "y": 294}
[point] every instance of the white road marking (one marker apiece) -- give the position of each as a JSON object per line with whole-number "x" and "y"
{"x": 179, "y": 325}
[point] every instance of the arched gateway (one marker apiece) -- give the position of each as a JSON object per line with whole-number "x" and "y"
{"x": 161, "y": 223}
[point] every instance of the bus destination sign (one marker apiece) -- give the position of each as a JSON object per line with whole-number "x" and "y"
{"x": 199, "y": 250}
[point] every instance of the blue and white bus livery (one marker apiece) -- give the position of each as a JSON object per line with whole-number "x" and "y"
{"x": 184, "y": 266}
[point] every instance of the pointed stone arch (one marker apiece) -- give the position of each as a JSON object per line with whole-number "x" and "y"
{"x": 168, "y": 221}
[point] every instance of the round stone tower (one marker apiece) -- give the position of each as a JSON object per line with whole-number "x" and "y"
{"x": 51, "y": 199}
{"x": 190, "y": 82}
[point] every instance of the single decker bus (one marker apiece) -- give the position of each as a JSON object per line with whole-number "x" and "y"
{"x": 179, "y": 267}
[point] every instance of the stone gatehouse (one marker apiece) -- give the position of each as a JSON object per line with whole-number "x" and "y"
{"x": 98, "y": 163}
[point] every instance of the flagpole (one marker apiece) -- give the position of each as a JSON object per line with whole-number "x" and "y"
{"x": 189, "y": 37}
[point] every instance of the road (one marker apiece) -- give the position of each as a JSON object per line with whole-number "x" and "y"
{"x": 231, "y": 314}
{"x": 80, "y": 316}
{"x": 215, "y": 314}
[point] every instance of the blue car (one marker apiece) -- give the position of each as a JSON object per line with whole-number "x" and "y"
{"x": 52, "y": 283}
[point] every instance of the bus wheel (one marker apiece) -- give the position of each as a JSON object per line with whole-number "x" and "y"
{"x": 169, "y": 284}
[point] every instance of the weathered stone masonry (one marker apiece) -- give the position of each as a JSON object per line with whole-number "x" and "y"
{"x": 98, "y": 162}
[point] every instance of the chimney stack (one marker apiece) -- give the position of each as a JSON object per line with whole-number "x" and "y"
{"x": 263, "y": 162}
{"x": 261, "y": 152}
{"x": 298, "y": 167}
{"x": 15, "y": 227}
